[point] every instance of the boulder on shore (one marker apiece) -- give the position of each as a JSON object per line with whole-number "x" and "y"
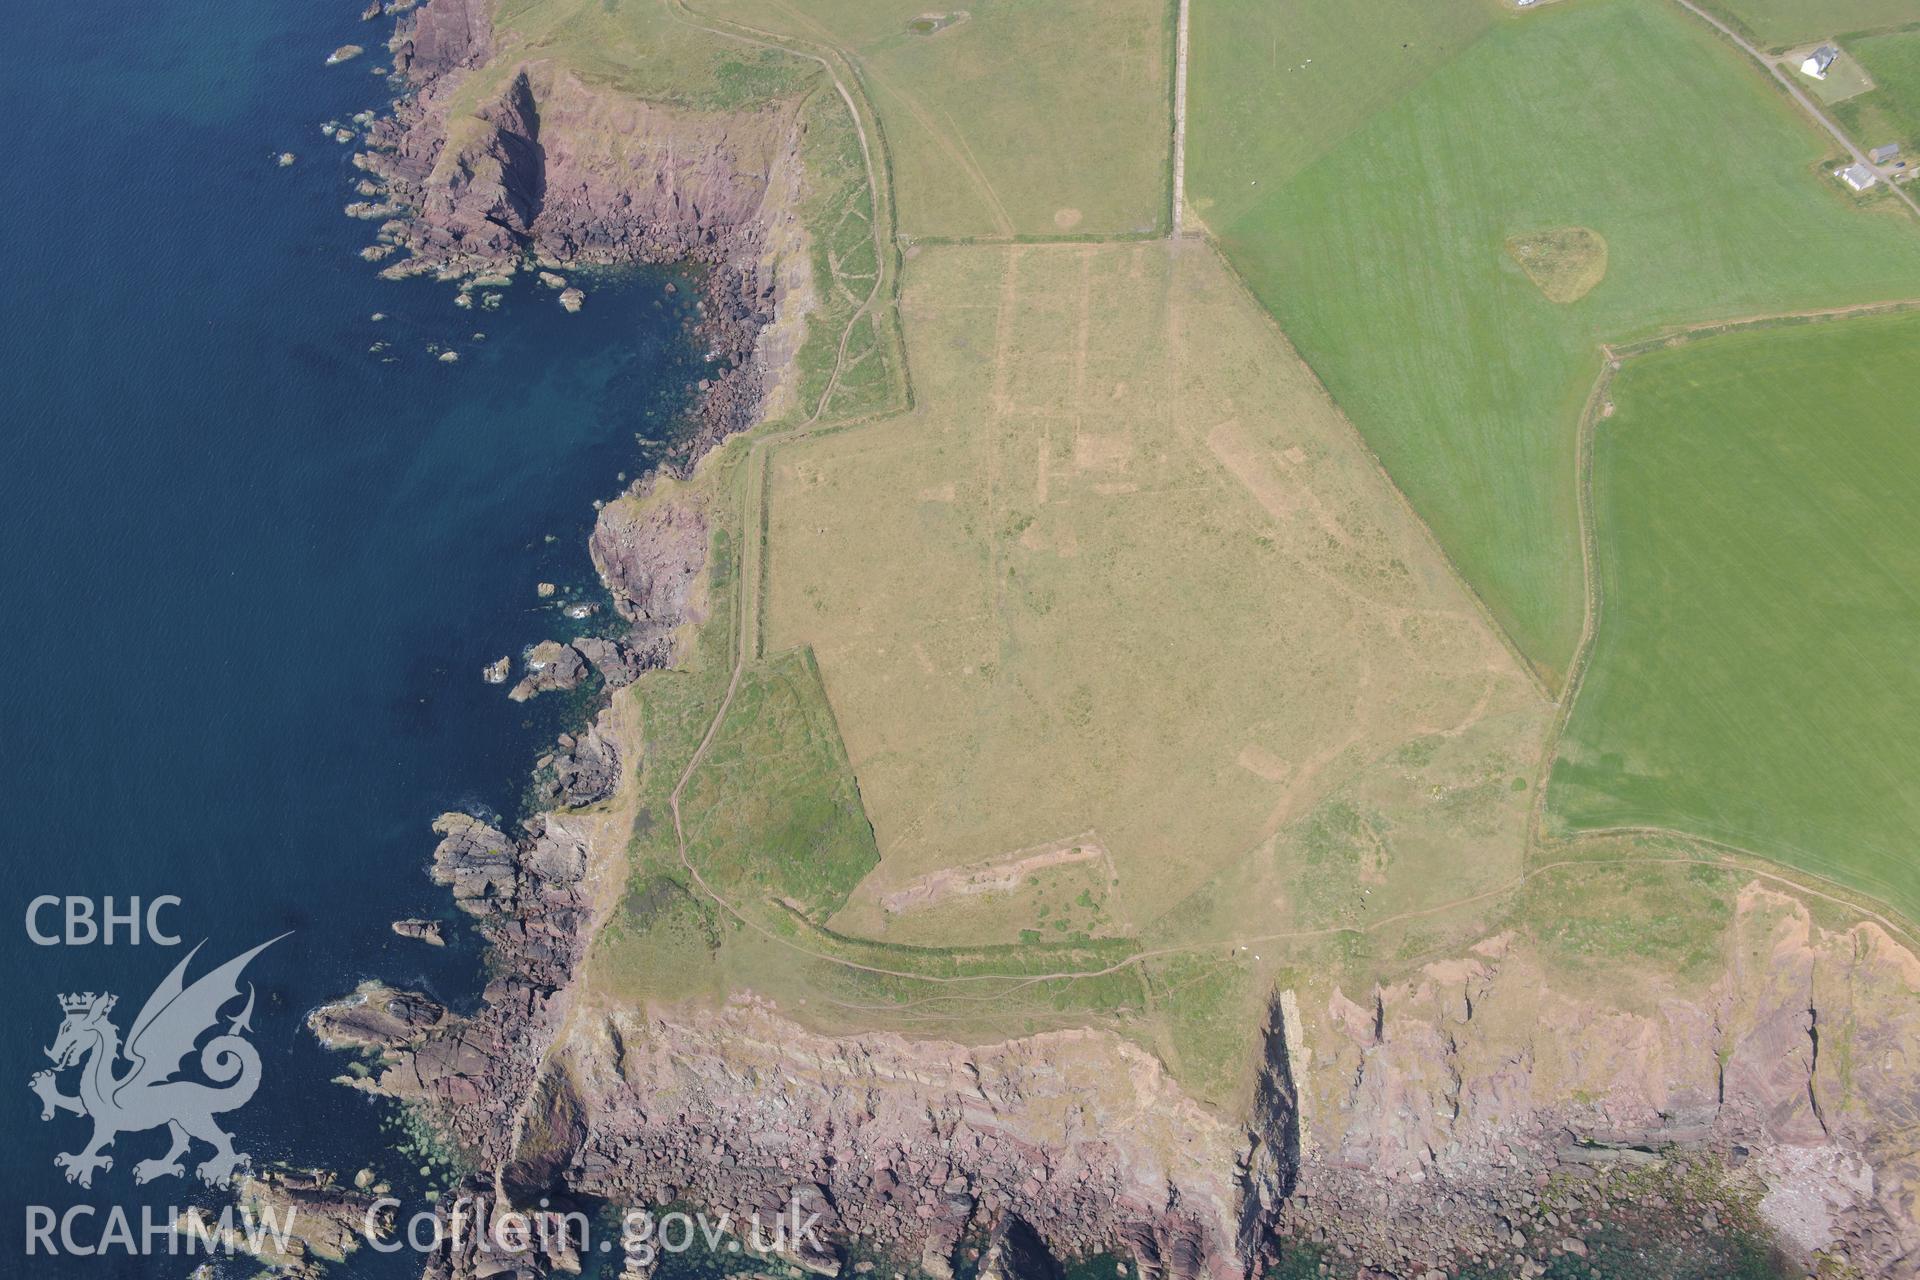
{"x": 476, "y": 861}
{"x": 617, "y": 664}
{"x": 585, "y": 769}
{"x": 375, "y": 1017}
{"x": 550, "y": 665}
{"x": 428, "y": 931}
{"x": 649, "y": 554}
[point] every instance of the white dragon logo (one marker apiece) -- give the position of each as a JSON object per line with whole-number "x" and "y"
{"x": 146, "y": 1096}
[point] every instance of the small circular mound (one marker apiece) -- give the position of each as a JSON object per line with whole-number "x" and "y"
{"x": 932, "y": 24}
{"x": 1564, "y": 263}
{"x": 1066, "y": 219}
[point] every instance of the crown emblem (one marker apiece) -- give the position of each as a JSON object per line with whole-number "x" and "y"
{"x": 85, "y": 1001}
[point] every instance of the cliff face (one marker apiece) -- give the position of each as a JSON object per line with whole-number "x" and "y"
{"x": 1270, "y": 1169}
{"x": 1412, "y": 1130}
{"x": 549, "y": 171}
{"x": 1412, "y": 1127}
{"x": 1079, "y": 1135}
{"x": 572, "y": 174}
{"x": 535, "y": 898}
{"x": 649, "y": 555}
{"x": 1476, "y": 1074}
{"x": 538, "y": 898}
{"x": 442, "y": 37}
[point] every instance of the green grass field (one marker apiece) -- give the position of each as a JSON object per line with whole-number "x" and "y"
{"x": 639, "y": 48}
{"x": 773, "y": 813}
{"x": 1756, "y": 676}
{"x": 1385, "y": 261}
{"x": 1271, "y": 90}
{"x": 1776, "y": 24}
{"x": 1023, "y": 117}
{"x": 837, "y": 209}
{"x": 1889, "y": 112}
{"x": 775, "y": 809}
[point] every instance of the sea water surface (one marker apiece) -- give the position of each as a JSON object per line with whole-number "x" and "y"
{"x": 253, "y": 569}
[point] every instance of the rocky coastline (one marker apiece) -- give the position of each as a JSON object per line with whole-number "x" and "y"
{"x": 545, "y": 178}
{"x": 1420, "y": 1137}
{"x": 1465, "y": 1117}
{"x": 550, "y": 174}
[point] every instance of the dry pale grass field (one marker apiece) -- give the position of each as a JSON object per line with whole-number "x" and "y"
{"x": 1125, "y": 581}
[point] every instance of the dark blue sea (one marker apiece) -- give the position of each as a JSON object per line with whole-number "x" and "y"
{"x": 252, "y": 569}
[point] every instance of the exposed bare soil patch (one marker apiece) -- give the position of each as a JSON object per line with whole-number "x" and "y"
{"x": 1564, "y": 262}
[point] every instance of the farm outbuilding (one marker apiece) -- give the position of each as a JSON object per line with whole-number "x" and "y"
{"x": 1857, "y": 176}
{"x": 1819, "y": 60}
{"x": 1880, "y": 155}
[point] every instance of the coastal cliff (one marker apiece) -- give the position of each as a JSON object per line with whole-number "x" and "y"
{"x": 912, "y": 1145}
{"x": 1467, "y": 1112}
{"x": 547, "y": 171}
{"x": 1413, "y": 1130}
{"x": 1477, "y": 1075}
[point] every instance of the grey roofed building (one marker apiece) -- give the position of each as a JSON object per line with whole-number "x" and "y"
{"x": 1857, "y": 176}
{"x": 1880, "y": 155}
{"x": 1819, "y": 60}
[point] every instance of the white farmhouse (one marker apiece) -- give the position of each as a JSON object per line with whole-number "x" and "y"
{"x": 1857, "y": 176}
{"x": 1819, "y": 60}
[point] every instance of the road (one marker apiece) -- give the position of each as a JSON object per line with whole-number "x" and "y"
{"x": 1180, "y": 119}
{"x": 1800, "y": 95}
